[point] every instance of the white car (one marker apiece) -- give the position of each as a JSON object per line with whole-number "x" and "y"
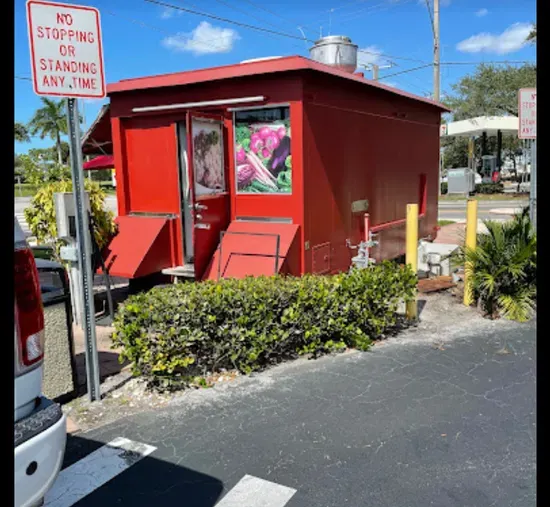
{"x": 40, "y": 427}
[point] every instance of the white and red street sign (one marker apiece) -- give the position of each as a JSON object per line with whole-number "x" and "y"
{"x": 66, "y": 50}
{"x": 527, "y": 107}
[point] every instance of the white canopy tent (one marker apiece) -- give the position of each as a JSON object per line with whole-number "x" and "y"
{"x": 483, "y": 126}
{"x": 490, "y": 125}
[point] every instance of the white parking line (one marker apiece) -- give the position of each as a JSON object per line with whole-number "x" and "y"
{"x": 251, "y": 491}
{"x": 96, "y": 469}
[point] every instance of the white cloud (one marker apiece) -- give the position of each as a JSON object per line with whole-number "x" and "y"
{"x": 482, "y": 12}
{"x": 204, "y": 39}
{"x": 368, "y": 55}
{"x": 512, "y": 39}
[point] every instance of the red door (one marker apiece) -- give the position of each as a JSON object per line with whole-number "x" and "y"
{"x": 208, "y": 175}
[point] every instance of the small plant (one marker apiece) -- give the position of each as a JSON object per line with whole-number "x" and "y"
{"x": 444, "y": 188}
{"x": 40, "y": 215}
{"x": 172, "y": 335}
{"x": 503, "y": 268}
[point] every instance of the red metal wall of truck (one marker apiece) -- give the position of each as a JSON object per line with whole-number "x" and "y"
{"x": 350, "y": 141}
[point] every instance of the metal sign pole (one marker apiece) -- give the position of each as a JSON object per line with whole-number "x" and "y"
{"x": 533, "y": 185}
{"x": 84, "y": 251}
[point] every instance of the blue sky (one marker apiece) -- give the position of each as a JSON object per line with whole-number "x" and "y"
{"x": 140, "y": 38}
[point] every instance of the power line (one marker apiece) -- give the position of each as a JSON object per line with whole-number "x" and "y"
{"x": 292, "y": 22}
{"x": 262, "y": 29}
{"x": 407, "y": 71}
{"x": 225, "y": 20}
{"x": 428, "y": 6}
{"x": 499, "y": 62}
{"x": 161, "y": 30}
{"x": 23, "y": 78}
{"x": 344, "y": 14}
{"x": 244, "y": 12}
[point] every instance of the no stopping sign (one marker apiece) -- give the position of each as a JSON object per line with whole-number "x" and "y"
{"x": 66, "y": 50}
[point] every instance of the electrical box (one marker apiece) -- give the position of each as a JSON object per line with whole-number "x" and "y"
{"x": 65, "y": 213}
{"x": 461, "y": 181}
{"x": 361, "y": 206}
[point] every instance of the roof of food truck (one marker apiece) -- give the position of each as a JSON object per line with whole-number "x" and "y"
{"x": 274, "y": 65}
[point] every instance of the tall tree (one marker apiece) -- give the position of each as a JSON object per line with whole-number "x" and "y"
{"x": 532, "y": 37}
{"x": 21, "y": 132}
{"x": 50, "y": 121}
{"x": 490, "y": 91}
{"x": 50, "y": 154}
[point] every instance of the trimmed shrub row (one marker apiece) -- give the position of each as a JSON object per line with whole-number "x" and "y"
{"x": 175, "y": 335}
{"x": 489, "y": 188}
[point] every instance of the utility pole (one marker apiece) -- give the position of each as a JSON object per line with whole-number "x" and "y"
{"x": 436, "y": 50}
{"x": 376, "y": 68}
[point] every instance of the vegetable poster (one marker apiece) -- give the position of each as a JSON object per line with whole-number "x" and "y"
{"x": 262, "y": 152}
{"x": 207, "y": 157}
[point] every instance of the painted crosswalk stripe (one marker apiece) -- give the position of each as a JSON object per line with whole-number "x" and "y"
{"x": 252, "y": 491}
{"x": 95, "y": 470}
{"x": 22, "y": 222}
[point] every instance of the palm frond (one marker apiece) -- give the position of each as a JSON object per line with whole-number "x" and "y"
{"x": 518, "y": 306}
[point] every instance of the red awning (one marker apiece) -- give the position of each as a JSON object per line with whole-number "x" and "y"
{"x": 101, "y": 162}
{"x": 98, "y": 139}
{"x": 141, "y": 247}
{"x": 249, "y": 249}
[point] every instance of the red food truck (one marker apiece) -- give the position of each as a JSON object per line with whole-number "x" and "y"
{"x": 263, "y": 167}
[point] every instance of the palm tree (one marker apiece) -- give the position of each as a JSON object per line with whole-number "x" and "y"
{"x": 21, "y": 132}
{"x": 503, "y": 268}
{"x": 532, "y": 37}
{"x": 50, "y": 121}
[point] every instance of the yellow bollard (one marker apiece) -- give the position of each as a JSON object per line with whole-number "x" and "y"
{"x": 471, "y": 241}
{"x": 412, "y": 251}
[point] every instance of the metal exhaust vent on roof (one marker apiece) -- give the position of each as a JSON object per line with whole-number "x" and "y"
{"x": 337, "y": 51}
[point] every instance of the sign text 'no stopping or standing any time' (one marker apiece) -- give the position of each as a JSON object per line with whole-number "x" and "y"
{"x": 66, "y": 52}
{"x": 527, "y": 109}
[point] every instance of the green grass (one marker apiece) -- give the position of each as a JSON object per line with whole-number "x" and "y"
{"x": 441, "y": 223}
{"x": 24, "y": 190}
{"x": 486, "y": 197}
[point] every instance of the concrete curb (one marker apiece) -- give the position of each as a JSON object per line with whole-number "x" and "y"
{"x": 505, "y": 211}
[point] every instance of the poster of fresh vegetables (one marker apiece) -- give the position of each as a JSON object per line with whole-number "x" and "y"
{"x": 262, "y": 152}
{"x": 207, "y": 157}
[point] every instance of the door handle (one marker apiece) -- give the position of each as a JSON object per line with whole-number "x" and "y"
{"x": 199, "y": 207}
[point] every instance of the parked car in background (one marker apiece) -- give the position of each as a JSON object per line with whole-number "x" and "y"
{"x": 40, "y": 431}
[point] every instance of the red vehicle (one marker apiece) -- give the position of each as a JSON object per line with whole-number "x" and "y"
{"x": 264, "y": 167}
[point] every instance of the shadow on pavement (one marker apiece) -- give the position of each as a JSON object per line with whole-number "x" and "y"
{"x": 150, "y": 481}
{"x": 108, "y": 366}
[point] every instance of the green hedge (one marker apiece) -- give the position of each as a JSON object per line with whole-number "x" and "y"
{"x": 444, "y": 187}
{"x": 176, "y": 335}
{"x": 489, "y": 188}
